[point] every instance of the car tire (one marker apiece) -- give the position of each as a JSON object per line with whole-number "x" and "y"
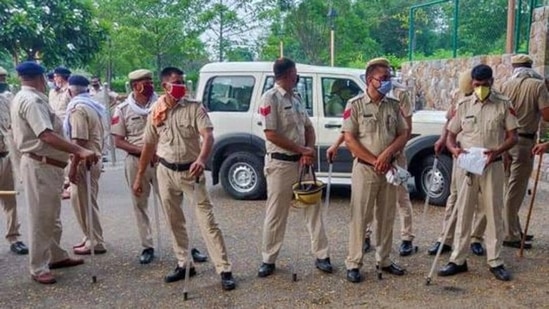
{"x": 242, "y": 176}
{"x": 441, "y": 187}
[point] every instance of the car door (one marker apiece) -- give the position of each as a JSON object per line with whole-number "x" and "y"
{"x": 334, "y": 93}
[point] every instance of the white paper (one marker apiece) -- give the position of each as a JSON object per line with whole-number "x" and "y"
{"x": 397, "y": 176}
{"x": 474, "y": 160}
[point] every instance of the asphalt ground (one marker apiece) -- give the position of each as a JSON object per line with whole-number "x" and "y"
{"x": 124, "y": 283}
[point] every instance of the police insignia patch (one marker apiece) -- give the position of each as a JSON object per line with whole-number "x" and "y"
{"x": 265, "y": 110}
{"x": 512, "y": 111}
{"x": 115, "y": 120}
{"x": 346, "y": 114}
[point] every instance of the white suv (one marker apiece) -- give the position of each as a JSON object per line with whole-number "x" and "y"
{"x": 231, "y": 92}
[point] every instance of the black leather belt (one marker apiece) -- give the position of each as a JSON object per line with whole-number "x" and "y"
{"x": 364, "y": 162}
{"x": 528, "y": 135}
{"x": 135, "y": 155}
{"x": 4, "y": 154}
{"x": 285, "y": 157}
{"x": 178, "y": 167}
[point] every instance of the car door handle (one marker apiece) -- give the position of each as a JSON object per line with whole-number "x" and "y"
{"x": 259, "y": 123}
{"x": 332, "y": 125}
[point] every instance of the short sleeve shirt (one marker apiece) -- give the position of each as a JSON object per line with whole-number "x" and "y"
{"x": 59, "y": 100}
{"x": 405, "y": 102}
{"x": 483, "y": 124}
{"x": 129, "y": 124}
{"x": 31, "y": 115}
{"x": 178, "y": 137}
{"x": 284, "y": 113}
{"x": 5, "y": 123}
{"x": 529, "y": 96}
{"x": 86, "y": 125}
{"x": 374, "y": 125}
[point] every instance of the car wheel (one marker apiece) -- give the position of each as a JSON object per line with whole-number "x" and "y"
{"x": 242, "y": 176}
{"x": 440, "y": 188}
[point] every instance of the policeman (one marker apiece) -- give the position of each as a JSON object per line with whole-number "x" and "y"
{"x": 290, "y": 142}
{"x": 527, "y": 90}
{"x": 38, "y": 135}
{"x": 127, "y": 128}
{"x": 59, "y": 99}
{"x": 465, "y": 89}
{"x": 4, "y": 86}
{"x": 9, "y": 203}
{"x": 85, "y": 125}
{"x": 375, "y": 132}
{"x": 173, "y": 132}
{"x": 487, "y": 120}
{"x": 96, "y": 92}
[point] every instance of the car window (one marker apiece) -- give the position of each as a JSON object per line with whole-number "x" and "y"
{"x": 335, "y": 94}
{"x": 229, "y": 93}
{"x": 303, "y": 89}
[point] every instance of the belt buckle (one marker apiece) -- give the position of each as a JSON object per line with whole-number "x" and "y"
{"x": 44, "y": 159}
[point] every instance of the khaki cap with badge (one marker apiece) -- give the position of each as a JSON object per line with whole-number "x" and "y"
{"x": 139, "y": 74}
{"x": 521, "y": 59}
{"x": 378, "y": 61}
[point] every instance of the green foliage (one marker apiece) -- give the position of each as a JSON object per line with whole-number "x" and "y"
{"x": 55, "y": 31}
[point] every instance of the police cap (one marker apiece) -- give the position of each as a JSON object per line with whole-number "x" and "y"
{"x": 29, "y": 68}
{"x": 62, "y": 71}
{"x": 139, "y": 74}
{"x": 521, "y": 59}
{"x": 78, "y": 80}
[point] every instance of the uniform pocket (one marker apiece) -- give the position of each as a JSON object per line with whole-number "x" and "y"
{"x": 468, "y": 124}
{"x": 368, "y": 124}
{"x": 494, "y": 124}
{"x": 187, "y": 129}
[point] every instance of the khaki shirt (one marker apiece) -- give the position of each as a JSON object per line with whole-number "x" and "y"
{"x": 5, "y": 123}
{"x": 529, "y": 96}
{"x": 129, "y": 124}
{"x": 283, "y": 113}
{"x": 86, "y": 125}
{"x": 483, "y": 124}
{"x": 31, "y": 115}
{"x": 375, "y": 126}
{"x": 99, "y": 96}
{"x": 405, "y": 102}
{"x": 178, "y": 137}
{"x": 59, "y": 99}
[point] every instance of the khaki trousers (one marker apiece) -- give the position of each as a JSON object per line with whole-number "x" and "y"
{"x": 404, "y": 208}
{"x": 9, "y": 203}
{"x": 172, "y": 186}
{"x": 486, "y": 189}
{"x": 281, "y": 175}
{"x": 370, "y": 193}
{"x": 79, "y": 201}
{"x": 480, "y": 219}
{"x": 42, "y": 183}
{"x": 522, "y": 163}
{"x": 140, "y": 204}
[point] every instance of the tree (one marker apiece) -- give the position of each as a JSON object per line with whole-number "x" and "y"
{"x": 54, "y": 31}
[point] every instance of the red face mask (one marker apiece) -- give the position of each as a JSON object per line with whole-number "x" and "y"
{"x": 147, "y": 90}
{"x": 177, "y": 91}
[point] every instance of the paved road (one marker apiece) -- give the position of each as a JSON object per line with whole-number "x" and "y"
{"x": 124, "y": 283}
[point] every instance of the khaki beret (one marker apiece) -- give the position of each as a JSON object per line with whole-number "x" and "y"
{"x": 3, "y": 71}
{"x": 139, "y": 74}
{"x": 521, "y": 59}
{"x": 465, "y": 82}
{"x": 380, "y": 60}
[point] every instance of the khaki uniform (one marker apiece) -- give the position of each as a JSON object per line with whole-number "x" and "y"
{"x": 86, "y": 125}
{"x": 481, "y": 125}
{"x": 31, "y": 115}
{"x": 284, "y": 113}
{"x": 178, "y": 142}
{"x": 9, "y": 202}
{"x": 131, "y": 125}
{"x": 477, "y": 234}
{"x": 99, "y": 96}
{"x": 59, "y": 99}
{"x": 529, "y": 96}
{"x": 375, "y": 127}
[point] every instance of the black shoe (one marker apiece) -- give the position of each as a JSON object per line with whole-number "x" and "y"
{"x": 452, "y": 269}
{"x": 516, "y": 244}
{"x": 434, "y": 248}
{"x": 353, "y": 275}
{"x": 19, "y": 248}
{"x": 324, "y": 265}
{"x": 477, "y": 248}
{"x": 406, "y": 248}
{"x": 528, "y": 237}
{"x": 394, "y": 269}
{"x": 179, "y": 274}
{"x": 500, "y": 273}
{"x": 227, "y": 281}
{"x": 198, "y": 257}
{"x": 146, "y": 256}
{"x": 266, "y": 270}
{"x": 366, "y": 246}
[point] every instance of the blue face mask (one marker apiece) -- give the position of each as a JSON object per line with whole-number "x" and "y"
{"x": 385, "y": 87}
